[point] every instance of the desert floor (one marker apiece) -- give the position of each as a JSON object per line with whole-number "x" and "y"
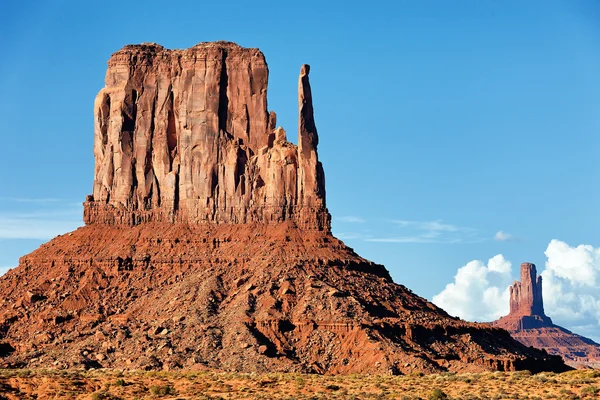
{"x": 96, "y": 385}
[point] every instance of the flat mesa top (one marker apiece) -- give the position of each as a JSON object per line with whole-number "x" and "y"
{"x": 149, "y": 48}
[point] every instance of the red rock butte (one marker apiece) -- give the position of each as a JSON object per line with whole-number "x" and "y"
{"x": 207, "y": 245}
{"x": 528, "y": 323}
{"x": 526, "y": 303}
{"x": 185, "y": 136}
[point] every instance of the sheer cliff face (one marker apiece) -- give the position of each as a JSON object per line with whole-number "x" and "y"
{"x": 526, "y": 296}
{"x": 186, "y": 136}
{"x": 526, "y": 304}
{"x": 311, "y": 185}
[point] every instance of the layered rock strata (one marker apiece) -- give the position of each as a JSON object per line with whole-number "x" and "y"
{"x": 246, "y": 297}
{"x": 207, "y": 245}
{"x": 528, "y": 323}
{"x": 185, "y": 136}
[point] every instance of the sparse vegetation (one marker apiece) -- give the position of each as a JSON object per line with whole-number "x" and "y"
{"x": 160, "y": 391}
{"x": 113, "y": 385}
{"x": 101, "y": 395}
{"x": 590, "y": 391}
{"x": 438, "y": 394}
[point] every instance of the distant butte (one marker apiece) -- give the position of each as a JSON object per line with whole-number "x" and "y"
{"x": 208, "y": 245}
{"x": 528, "y": 323}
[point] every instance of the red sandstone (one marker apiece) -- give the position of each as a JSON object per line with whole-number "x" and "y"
{"x": 528, "y": 324}
{"x": 207, "y": 245}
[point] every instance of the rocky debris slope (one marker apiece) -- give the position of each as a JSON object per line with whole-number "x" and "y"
{"x": 528, "y": 323}
{"x": 207, "y": 245}
{"x": 245, "y": 298}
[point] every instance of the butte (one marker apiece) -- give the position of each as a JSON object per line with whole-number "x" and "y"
{"x": 528, "y": 323}
{"x": 207, "y": 244}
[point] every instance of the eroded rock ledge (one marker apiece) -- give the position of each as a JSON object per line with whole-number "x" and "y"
{"x": 186, "y": 136}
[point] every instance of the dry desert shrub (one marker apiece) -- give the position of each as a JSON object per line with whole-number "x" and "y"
{"x": 108, "y": 384}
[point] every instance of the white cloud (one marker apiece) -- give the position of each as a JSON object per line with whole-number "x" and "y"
{"x": 403, "y": 239}
{"x": 435, "y": 226}
{"x": 499, "y": 264}
{"x": 479, "y": 292}
{"x": 351, "y": 219}
{"x": 39, "y": 225}
{"x": 501, "y": 236}
{"x": 571, "y": 289}
{"x": 34, "y": 219}
{"x": 348, "y": 235}
{"x": 30, "y": 200}
{"x": 579, "y": 265}
{"x": 429, "y": 232}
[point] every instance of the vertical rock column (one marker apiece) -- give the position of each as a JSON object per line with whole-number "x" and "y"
{"x": 311, "y": 178}
{"x": 526, "y": 296}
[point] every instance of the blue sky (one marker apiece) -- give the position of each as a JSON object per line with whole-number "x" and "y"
{"x": 449, "y": 131}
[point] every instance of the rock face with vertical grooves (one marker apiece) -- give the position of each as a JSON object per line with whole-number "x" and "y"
{"x": 311, "y": 185}
{"x": 526, "y": 303}
{"x": 528, "y": 323}
{"x": 207, "y": 245}
{"x": 185, "y": 136}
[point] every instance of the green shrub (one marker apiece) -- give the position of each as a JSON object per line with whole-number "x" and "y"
{"x": 162, "y": 390}
{"x": 100, "y": 395}
{"x": 589, "y": 390}
{"x": 438, "y": 394}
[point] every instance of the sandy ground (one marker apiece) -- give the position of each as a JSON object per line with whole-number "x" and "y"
{"x": 97, "y": 385}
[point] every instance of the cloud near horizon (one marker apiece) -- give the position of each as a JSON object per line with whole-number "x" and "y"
{"x": 42, "y": 225}
{"x": 479, "y": 291}
{"x": 351, "y": 219}
{"x": 428, "y": 232}
{"x": 435, "y": 226}
{"x": 30, "y": 200}
{"x": 571, "y": 288}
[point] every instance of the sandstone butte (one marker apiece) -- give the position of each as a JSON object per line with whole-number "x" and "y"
{"x": 528, "y": 323}
{"x": 207, "y": 244}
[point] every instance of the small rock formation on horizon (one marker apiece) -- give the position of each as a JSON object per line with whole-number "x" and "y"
{"x": 528, "y": 323}
{"x": 207, "y": 245}
{"x": 526, "y": 303}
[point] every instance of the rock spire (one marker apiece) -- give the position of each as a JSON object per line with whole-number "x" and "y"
{"x": 526, "y": 304}
{"x": 311, "y": 185}
{"x": 526, "y": 296}
{"x": 528, "y": 323}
